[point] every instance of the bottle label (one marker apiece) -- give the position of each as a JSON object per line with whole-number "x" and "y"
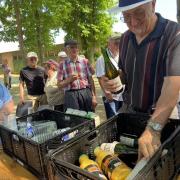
{"x": 95, "y": 170}
{"x": 109, "y": 163}
{"x": 118, "y": 83}
{"x": 127, "y": 141}
{"x": 109, "y": 147}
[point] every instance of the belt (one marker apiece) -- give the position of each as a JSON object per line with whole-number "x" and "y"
{"x": 71, "y": 90}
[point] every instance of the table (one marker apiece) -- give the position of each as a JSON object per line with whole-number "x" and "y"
{"x": 11, "y": 170}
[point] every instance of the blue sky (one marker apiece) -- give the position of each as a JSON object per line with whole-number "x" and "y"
{"x": 167, "y": 8}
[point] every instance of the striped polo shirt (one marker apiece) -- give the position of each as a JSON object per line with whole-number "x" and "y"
{"x": 146, "y": 64}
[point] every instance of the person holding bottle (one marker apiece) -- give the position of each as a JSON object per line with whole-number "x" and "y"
{"x": 55, "y": 96}
{"x": 112, "y": 101}
{"x": 149, "y": 63}
{"x": 75, "y": 77}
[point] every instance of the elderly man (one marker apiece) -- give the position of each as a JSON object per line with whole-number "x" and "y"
{"x": 149, "y": 63}
{"x": 34, "y": 78}
{"x": 75, "y": 77}
{"x": 112, "y": 102}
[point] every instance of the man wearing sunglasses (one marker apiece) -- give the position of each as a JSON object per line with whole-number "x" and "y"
{"x": 150, "y": 67}
{"x": 34, "y": 77}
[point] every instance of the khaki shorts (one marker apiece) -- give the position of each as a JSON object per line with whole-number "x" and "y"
{"x": 38, "y": 101}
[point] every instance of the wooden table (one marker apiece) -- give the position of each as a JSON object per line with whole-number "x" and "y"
{"x": 11, "y": 170}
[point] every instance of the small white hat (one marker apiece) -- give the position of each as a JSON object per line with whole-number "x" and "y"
{"x": 31, "y": 54}
{"x": 62, "y": 54}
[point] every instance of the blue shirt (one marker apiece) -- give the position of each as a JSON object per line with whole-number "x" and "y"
{"x": 5, "y": 96}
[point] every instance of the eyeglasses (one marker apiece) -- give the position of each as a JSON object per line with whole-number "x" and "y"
{"x": 138, "y": 15}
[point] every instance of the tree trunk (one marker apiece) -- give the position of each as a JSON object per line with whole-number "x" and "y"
{"x": 19, "y": 28}
{"x": 178, "y": 11}
{"x": 39, "y": 39}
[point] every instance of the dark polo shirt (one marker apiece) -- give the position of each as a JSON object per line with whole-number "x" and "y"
{"x": 146, "y": 64}
{"x": 34, "y": 79}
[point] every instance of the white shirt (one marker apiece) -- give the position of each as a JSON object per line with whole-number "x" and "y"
{"x": 55, "y": 96}
{"x": 100, "y": 70}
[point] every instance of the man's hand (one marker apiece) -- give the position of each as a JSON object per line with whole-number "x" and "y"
{"x": 109, "y": 85}
{"x": 72, "y": 78}
{"x": 108, "y": 95}
{"x": 149, "y": 142}
{"x": 94, "y": 102}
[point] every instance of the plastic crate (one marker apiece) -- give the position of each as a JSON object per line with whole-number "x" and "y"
{"x": 32, "y": 154}
{"x": 63, "y": 163}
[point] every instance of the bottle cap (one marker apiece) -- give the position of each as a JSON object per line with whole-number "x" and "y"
{"x": 82, "y": 156}
{"x": 96, "y": 150}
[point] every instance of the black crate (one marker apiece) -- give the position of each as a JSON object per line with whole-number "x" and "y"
{"x": 32, "y": 154}
{"x": 63, "y": 163}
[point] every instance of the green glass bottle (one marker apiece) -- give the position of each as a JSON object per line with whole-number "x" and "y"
{"x": 111, "y": 72}
{"x": 118, "y": 148}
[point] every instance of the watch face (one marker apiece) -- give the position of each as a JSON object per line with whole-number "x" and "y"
{"x": 157, "y": 127}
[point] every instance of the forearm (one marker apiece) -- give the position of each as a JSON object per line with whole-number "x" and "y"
{"x": 93, "y": 90}
{"x": 64, "y": 83}
{"x": 21, "y": 90}
{"x": 167, "y": 100}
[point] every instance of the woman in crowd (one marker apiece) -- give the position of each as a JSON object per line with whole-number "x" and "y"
{"x": 55, "y": 96}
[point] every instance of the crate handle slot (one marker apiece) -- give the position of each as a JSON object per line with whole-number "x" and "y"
{"x": 16, "y": 138}
{"x": 91, "y": 138}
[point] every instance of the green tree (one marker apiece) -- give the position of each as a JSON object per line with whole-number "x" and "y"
{"x": 34, "y": 23}
{"x": 89, "y": 23}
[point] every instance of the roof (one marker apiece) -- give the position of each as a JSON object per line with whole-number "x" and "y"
{"x": 8, "y": 47}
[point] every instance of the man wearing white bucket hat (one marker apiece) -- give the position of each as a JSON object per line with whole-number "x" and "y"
{"x": 150, "y": 68}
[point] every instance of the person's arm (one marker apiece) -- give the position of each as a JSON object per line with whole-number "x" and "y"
{"x": 93, "y": 90}
{"x": 6, "y": 102}
{"x": 67, "y": 81}
{"x": 107, "y": 93}
{"x": 150, "y": 139}
{"x": 8, "y": 107}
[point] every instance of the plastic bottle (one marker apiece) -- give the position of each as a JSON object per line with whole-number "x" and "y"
{"x": 118, "y": 148}
{"x": 90, "y": 166}
{"x": 111, "y": 165}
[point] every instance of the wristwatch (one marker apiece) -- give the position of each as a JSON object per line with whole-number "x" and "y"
{"x": 155, "y": 126}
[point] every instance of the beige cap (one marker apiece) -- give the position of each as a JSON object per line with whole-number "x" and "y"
{"x": 62, "y": 54}
{"x": 31, "y": 54}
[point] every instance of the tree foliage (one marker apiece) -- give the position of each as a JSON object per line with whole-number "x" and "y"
{"x": 35, "y": 23}
{"x": 89, "y": 23}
